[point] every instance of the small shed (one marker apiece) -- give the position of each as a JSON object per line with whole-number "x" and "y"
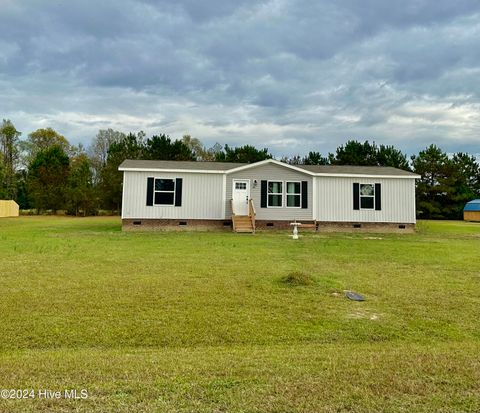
{"x": 471, "y": 212}
{"x": 8, "y": 208}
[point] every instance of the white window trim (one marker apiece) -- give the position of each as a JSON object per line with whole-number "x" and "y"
{"x": 276, "y": 193}
{"x": 297, "y": 194}
{"x": 366, "y": 196}
{"x": 167, "y": 192}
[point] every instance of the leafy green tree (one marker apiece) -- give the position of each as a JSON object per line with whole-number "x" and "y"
{"x": 161, "y": 147}
{"x": 47, "y": 178}
{"x": 432, "y": 192}
{"x": 3, "y": 191}
{"x": 292, "y": 160}
{"x": 23, "y": 198}
{"x": 102, "y": 173}
{"x": 314, "y": 158}
{"x": 101, "y": 144}
{"x": 80, "y": 190}
{"x": 391, "y": 156}
{"x": 368, "y": 154}
{"x": 463, "y": 183}
{"x": 242, "y": 154}
{"x": 211, "y": 153}
{"x": 9, "y": 155}
{"x": 467, "y": 171}
{"x": 196, "y": 147}
{"x": 43, "y": 139}
{"x": 110, "y": 183}
{"x": 355, "y": 153}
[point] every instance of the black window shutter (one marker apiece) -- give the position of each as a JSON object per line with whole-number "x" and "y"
{"x": 263, "y": 194}
{"x": 150, "y": 182}
{"x": 304, "y": 194}
{"x": 356, "y": 196}
{"x": 378, "y": 197}
{"x": 178, "y": 191}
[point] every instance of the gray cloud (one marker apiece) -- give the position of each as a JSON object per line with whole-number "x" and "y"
{"x": 293, "y": 75}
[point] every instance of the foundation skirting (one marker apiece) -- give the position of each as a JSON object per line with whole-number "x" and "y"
{"x": 226, "y": 225}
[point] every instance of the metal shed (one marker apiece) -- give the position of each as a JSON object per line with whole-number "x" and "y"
{"x": 471, "y": 212}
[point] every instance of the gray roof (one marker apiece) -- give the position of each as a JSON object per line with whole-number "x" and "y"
{"x": 355, "y": 170}
{"x": 183, "y": 165}
{"x": 226, "y": 166}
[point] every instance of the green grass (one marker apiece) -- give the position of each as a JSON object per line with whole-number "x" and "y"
{"x": 222, "y": 322}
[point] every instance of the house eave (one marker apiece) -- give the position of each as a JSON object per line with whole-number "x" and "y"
{"x": 267, "y": 161}
{"x": 191, "y": 171}
{"x": 368, "y": 176}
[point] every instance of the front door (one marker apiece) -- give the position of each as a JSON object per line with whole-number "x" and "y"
{"x": 240, "y": 196}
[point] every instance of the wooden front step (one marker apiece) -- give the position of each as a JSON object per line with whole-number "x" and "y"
{"x": 243, "y": 223}
{"x": 244, "y": 229}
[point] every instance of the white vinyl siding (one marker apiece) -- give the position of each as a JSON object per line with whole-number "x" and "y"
{"x": 334, "y": 201}
{"x": 272, "y": 172}
{"x": 202, "y": 196}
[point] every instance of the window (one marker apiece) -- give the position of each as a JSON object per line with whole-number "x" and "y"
{"x": 164, "y": 193}
{"x": 275, "y": 193}
{"x": 240, "y": 185}
{"x": 367, "y": 196}
{"x": 294, "y": 194}
{"x": 287, "y": 194}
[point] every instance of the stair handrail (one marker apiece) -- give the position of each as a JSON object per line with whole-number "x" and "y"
{"x": 252, "y": 213}
{"x": 233, "y": 214}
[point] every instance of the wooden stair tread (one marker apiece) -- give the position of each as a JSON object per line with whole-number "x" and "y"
{"x": 243, "y": 223}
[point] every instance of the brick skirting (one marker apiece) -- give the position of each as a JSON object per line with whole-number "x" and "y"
{"x": 176, "y": 224}
{"x": 338, "y": 226}
{"x": 268, "y": 225}
{"x": 226, "y": 225}
{"x": 365, "y": 227}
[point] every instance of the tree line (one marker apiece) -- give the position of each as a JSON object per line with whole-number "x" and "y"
{"x": 45, "y": 172}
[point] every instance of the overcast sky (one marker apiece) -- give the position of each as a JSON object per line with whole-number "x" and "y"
{"x": 292, "y": 75}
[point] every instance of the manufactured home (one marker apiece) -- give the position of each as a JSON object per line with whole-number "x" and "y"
{"x": 268, "y": 194}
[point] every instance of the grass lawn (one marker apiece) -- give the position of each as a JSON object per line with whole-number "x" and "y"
{"x": 205, "y": 322}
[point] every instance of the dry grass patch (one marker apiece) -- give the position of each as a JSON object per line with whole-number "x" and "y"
{"x": 298, "y": 278}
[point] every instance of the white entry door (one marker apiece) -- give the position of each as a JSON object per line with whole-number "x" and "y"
{"x": 240, "y": 196}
